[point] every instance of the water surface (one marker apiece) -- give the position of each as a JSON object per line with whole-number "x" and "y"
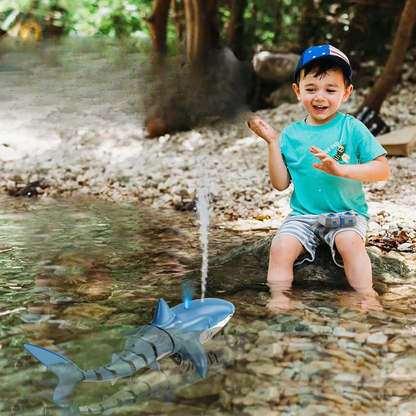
{"x": 75, "y": 276}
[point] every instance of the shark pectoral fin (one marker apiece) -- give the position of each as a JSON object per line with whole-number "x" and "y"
{"x": 155, "y": 365}
{"x": 114, "y": 381}
{"x": 194, "y": 351}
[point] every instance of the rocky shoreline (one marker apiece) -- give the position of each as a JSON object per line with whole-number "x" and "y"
{"x": 79, "y": 126}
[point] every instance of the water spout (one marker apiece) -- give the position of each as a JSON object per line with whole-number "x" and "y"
{"x": 203, "y": 199}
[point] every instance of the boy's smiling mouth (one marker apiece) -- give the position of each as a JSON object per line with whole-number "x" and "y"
{"x": 320, "y": 107}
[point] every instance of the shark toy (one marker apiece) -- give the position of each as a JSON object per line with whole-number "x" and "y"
{"x": 180, "y": 330}
{"x": 173, "y": 376}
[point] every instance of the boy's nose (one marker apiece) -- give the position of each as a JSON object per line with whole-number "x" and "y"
{"x": 319, "y": 98}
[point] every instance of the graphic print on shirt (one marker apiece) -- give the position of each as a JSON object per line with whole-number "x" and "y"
{"x": 340, "y": 155}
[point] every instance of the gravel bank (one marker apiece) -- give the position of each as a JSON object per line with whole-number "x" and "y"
{"x": 79, "y": 126}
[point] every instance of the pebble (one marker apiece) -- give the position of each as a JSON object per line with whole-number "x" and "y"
{"x": 377, "y": 338}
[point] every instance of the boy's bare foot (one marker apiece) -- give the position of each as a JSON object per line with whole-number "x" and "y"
{"x": 363, "y": 301}
{"x": 370, "y": 303}
{"x": 279, "y": 303}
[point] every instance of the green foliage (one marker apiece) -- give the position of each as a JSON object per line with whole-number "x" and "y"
{"x": 283, "y": 24}
{"x": 115, "y": 18}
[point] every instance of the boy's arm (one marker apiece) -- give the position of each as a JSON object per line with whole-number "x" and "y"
{"x": 373, "y": 171}
{"x": 278, "y": 173}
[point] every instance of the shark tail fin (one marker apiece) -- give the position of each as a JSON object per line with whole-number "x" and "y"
{"x": 163, "y": 315}
{"x": 69, "y": 375}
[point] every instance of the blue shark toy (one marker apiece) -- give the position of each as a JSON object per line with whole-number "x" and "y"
{"x": 173, "y": 376}
{"x": 178, "y": 330}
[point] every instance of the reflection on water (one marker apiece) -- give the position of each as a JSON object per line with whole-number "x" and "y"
{"x": 76, "y": 277}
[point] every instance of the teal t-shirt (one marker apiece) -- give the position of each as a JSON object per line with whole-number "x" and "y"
{"x": 345, "y": 139}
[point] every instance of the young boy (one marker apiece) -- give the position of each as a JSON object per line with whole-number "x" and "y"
{"x": 327, "y": 156}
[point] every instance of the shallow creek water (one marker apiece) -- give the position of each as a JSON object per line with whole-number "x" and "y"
{"x": 76, "y": 276}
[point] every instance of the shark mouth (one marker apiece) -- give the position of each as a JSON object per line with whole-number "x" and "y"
{"x": 209, "y": 333}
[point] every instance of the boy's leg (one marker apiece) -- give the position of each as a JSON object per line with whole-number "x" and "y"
{"x": 350, "y": 246}
{"x": 284, "y": 251}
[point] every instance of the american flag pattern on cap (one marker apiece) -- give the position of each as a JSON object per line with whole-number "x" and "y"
{"x": 323, "y": 51}
{"x": 334, "y": 51}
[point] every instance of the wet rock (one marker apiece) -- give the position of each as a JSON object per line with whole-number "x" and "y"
{"x": 246, "y": 267}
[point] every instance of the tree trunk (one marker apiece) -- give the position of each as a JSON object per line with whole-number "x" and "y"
{"x": 158, "y": 25}
{"x": 178, "y": 18}
{"x": 213, "y": 28}
{"x": 201, "y": 29}
{"x": 394, "y": 65}
{"x": 246, "y": 268}
{"x": 235, "y": 30}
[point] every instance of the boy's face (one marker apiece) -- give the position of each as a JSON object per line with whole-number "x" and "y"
{"x": 322, "y": 96}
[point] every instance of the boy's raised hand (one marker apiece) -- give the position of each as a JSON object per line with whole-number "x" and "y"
{"x": 327, "y": 165}
{"x": 262, "y": 129}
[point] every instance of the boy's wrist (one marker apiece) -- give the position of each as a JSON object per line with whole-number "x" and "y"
{"x": 273, "y": 142}
{"x": 345, "y": 171}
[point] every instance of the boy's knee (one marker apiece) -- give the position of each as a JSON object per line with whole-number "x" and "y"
{"x": 349, "y": 242}
{"x": 286, "y": 248}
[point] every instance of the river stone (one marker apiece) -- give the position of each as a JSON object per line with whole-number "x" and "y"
{"x": 278, "y": 67}
{"x": 260, "y": 411}
{"x": 270, "y": 394}
{"x": 246, "y": 267}
{"x": 264, "y": 369}
{"x": 348, "y": 378}
{"x": 377, "y": 338}
{"x": 408, "y": 408}
{"x": 88, "y": 310}
{"x": 205, "y": 388}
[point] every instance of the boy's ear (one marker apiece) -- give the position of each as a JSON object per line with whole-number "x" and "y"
{"x": 297, "y": 91}
{"x": 347, "y": 93}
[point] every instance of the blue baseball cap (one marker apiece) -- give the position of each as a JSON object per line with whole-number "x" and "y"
{"x": 324, "y": 51}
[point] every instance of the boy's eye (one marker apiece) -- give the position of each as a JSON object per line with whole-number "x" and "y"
{"x": 309, "y": 89}
{"x": 331, "y": 90}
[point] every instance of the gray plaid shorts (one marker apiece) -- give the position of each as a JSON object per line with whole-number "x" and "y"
{"x": 311, "y": 234}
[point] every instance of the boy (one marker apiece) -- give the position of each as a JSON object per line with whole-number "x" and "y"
{"x": 327, "y": 156}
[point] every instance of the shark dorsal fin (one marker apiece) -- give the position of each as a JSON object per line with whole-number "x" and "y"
{"x": 163, "y": 315}
{"x": 114, "y": 358}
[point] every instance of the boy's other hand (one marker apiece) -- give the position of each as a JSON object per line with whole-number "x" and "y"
{"x": 262, "y": 129}
{"x": 327, "y": 165}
